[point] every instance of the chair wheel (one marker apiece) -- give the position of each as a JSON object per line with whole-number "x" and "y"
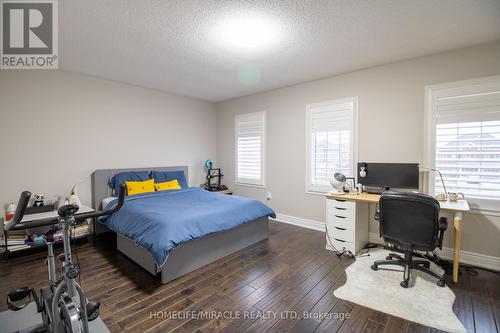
{"x": 404, "y": 284}
{"x": 374, "y": 267}
{"x": 441, "y": 283}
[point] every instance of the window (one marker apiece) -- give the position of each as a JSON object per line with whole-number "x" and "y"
{"x": 331, "y": 141}
{"x": 465, "y": 132}
{"x": 250, "y": 129}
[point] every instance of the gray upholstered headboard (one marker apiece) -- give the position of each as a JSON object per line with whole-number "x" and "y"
{"x": 100, "y": 179}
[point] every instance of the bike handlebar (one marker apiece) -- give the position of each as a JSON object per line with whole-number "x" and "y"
{"x": 21, "y": 208}
{"x": 15, "y": 224}
{"x": 99, "y": 213}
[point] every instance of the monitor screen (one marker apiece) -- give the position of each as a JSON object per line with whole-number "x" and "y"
{"x": 392, "y": 175}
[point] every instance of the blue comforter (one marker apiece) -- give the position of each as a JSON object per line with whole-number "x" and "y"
{"x": 161, "y": 221}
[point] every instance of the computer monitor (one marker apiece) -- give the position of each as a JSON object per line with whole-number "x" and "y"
{"x": 384, "y": 176}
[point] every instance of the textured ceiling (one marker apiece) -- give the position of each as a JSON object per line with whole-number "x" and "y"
{"x": 174, "y": 45}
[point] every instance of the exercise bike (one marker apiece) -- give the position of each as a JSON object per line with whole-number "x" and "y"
{"x": 62, "y": 305}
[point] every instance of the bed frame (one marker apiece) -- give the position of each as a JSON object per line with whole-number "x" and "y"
{"x": 188, "y": 256}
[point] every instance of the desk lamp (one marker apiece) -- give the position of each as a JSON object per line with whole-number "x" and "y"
{"x": 440, "y": 177}
{"x": 74, "y": 199}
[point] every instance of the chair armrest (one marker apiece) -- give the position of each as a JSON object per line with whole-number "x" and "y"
{"x": 443, "y": 225}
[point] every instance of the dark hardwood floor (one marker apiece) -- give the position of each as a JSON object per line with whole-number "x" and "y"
{"x": 286, "y": 275}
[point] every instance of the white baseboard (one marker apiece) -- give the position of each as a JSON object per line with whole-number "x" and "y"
{"x": 298, "y": 221}
{"x": 466, "y": 257}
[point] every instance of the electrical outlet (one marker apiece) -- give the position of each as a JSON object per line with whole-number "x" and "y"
{"x": 269, "y": 196}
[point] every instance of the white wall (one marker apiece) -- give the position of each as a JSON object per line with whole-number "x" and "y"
{"x": 57, "y": 127}
{"x": 391, "y": 129}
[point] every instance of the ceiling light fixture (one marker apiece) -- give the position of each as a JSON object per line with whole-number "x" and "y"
{"x": 247, "y": 33}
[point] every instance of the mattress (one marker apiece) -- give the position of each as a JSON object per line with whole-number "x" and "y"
{"x": 161, "y": 221}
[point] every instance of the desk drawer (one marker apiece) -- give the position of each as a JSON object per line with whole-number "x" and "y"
{"x": 339, "y": 204}
{"x": 341, "y": 212}
{"x": 340, "y": 245}
{"x": 341, "y": 234}
{"x": 345, "y": 222}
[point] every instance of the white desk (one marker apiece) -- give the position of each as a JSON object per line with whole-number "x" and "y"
{"x": 357, "y": 225}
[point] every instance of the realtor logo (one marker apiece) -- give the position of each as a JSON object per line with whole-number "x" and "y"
{"x": 29, "y": 34}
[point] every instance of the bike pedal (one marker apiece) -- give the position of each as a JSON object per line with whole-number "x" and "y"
{"x": 93, "y": 310}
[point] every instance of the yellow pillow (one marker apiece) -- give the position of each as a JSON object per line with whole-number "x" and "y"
{"x": 140, "y": 187}
{"x": 170, "y": 185}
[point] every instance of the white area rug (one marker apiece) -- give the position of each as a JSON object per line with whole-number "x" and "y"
{"x": 424, "y": 302}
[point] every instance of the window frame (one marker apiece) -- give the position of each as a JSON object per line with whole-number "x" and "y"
{"x": 238, "y": 181}
{"x": 354, "y": 141}
{"x": 480, "y": 204}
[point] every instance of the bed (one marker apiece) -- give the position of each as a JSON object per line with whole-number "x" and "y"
{"x": 172, "y": 233}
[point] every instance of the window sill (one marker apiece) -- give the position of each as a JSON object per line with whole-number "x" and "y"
{"x": 484, "y": 212}
{"x": 484, "y": 206}
{"x": 263, "y": 187}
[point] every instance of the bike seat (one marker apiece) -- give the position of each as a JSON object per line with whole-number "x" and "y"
{"x": 67, "y": 210}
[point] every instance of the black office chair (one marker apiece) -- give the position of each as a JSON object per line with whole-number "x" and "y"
{"x": 410, "y": 222}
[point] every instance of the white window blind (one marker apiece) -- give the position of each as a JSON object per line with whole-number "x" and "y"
{"x": 250, "y": 147}
{"x": 467, "y": 139}
{"x": 331, "y": 140}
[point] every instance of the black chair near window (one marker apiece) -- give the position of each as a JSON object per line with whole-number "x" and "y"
{"x": 410, "y": 222}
